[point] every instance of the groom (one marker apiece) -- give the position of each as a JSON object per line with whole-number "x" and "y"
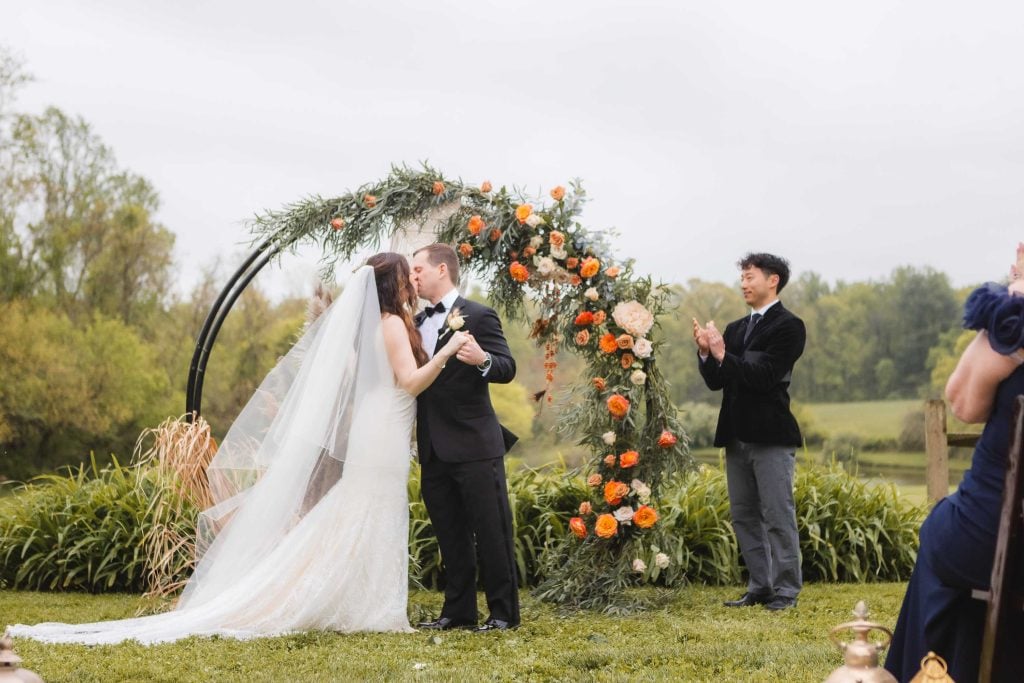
{"x": 461, "y": 448}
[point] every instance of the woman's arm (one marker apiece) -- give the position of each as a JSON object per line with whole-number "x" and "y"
{"x": 971, "y": 389}
{"x": 411, "y": 378}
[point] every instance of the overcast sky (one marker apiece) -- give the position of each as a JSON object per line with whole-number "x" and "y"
{"x": 851, "y": 138}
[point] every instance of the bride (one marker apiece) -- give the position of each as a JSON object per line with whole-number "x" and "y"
{"x": 310, "y": 528}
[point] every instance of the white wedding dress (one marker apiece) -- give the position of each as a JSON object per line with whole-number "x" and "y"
{"x": 277, "y": 557}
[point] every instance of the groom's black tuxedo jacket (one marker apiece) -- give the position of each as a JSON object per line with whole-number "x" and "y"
{"x": 455, "y": 421}
{"x": 754, "y": 379}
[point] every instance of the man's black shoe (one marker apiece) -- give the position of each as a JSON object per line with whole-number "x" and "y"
{"x": 750, "y": 599}
{"x": 493, "y": 625}
{"x": 444, "y": 624}
{"x": 779, "y": 603}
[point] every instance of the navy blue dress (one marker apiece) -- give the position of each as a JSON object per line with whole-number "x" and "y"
{"x": 958, "y": 538}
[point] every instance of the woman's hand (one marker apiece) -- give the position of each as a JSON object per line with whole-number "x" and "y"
{"x": 458, "y": 339}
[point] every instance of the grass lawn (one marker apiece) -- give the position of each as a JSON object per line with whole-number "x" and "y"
{"x": 691, "y": 638}
{"x": 869, "y": 419}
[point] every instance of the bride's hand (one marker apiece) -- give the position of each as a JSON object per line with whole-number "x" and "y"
{"x": 454, "y": 344}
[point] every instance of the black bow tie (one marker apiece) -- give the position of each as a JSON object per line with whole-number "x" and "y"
{"x": 431, "y": 310}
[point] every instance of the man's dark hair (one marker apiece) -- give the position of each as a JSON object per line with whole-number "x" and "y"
{"x": 769, "y": 264}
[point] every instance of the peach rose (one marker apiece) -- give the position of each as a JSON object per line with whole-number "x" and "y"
{"x": 337, "y": 223}
{"x": 369, "y": 200}
{"x": 495, "y": 235}
{"x": 475, "y": 225}
{"x": 645, "y": 517}
{"x": 607, "y": 343}
{"x": 599, "y": 383}
{"x": 485, "y": 186}
{"x": 582, "y": 337}
{"x": 629, "y": 459}
{"x": 572, "y": 262}
{"x": 528, "y": 251}
{"x": 626, "y": 360}
{"x": 586, "y": 508}
{"x": 523, "y": 212}
{"x": 466, "y": 249}
{"x": 575, "y": 281}
{"x": 633, "y": 318}
{"x": 584, "y": 319}
{"x": 624, "y": 342}
{"x": 591, "y": 293}
{"x": 519, "y": 272}
{"x": 618, "y": 406}
{"x": 438, "y": 187}
{"x": 599, "y": 317}
{"x": 558, "y": 193}
{"x": 594, "y": 480}
{"x": 667, "y": 439}
{"x": 609, "y": 460}
{"x": 577, "y": 527}
{"x": 613, "y": 271}
{"x": 615, "y": 491}
{"x": 606, "y": 526}
{"x": 556, "y": 238}
{"x": 589, "y": 267}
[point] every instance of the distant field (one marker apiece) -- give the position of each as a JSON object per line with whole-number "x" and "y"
{"x": 869, "y": 419}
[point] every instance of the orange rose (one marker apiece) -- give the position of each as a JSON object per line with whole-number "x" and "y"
{"x": 556, "y": 238}
{"x": 613, "y": 271}
{"x": 599, "y": 317}
{"x": 519, "y": 272}
{"x": 582, "y": 337}
{"x": 485, "y": 187}
{"x": 578, "y": 528}
{"x": 523, "y": 212}
{"x": 599, "y": 383}
{"x": 618, "y": 406}
{"x": 466, "y": 249}
{"x": 475, "y": 225}
{"x": 589, "y": 267}
{"x": 337, "y": 223}
{"x": 586, "y": 508}
{"x": 610, "y": 461}
{"x": 606, "y": 526}
{"x": 615, "y": 491}
{"x": 369, "y": 200}
{"x": 495, "y": 235}
{"x": 438, "y": 187}
{"x": 624, "y": 342}
{"x": 594, "y": 480}
{"x": 584, "y": 318}
{"x": 667, "y": 439}
{"x": 575, "y": 281}
{"x": 607, "y": 343}
{"x": 626, "y": 360}
{"x": 529, "y": 251}
{"x": 572, "y": 262}
{"x": 645, "y": 517}
{"x": 629, "y": 459}
{"x": 558, "y": 193}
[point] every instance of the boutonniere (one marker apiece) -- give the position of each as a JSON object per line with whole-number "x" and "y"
{"x": 454, "y": 322}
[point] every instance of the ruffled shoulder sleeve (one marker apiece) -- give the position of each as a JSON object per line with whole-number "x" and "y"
{"x": 992, "y": 308}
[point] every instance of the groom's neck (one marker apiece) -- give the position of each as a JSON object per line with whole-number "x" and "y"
{"x": 443, "y": 295}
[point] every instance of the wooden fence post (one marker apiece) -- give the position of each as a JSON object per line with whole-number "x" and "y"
{"x": 936, "y": 449}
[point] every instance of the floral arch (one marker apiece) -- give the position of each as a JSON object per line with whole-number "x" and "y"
{"x": 586, "y": 301}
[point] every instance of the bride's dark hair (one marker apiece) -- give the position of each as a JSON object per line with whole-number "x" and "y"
{"x": 397, "y": 296}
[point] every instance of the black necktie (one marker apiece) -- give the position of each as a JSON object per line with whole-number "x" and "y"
{"x": 750, "y": 326}
{"x": 431, "y": 310}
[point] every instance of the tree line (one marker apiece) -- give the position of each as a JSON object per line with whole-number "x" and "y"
{"x": 95, "y": 344}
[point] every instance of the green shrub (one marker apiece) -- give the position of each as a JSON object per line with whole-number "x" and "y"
{"x": 844, "y": 447}
{"x": 911, "y": 438}
{"x": 700, "y": 421}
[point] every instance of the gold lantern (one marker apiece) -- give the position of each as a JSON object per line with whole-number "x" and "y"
{"x": 861, "y": 656}
{"x": 933, "y": 670}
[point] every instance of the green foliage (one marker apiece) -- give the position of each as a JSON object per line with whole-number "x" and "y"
{"x": 844, "y": 447}
{"x": 700, "y": 421}
{"x": 83, "y": 531}
{"x": 911, "y": 438}
{"x": 513, "y": 407}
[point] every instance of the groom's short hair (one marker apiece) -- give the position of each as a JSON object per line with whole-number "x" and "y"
{"x": 438, "y": 253}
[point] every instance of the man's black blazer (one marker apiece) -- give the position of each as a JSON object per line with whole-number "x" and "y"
{"x": 455, "y": 421}
{"x": 754, "y": 379}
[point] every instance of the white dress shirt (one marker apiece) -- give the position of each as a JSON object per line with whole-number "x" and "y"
{"x": 432, "y": 325}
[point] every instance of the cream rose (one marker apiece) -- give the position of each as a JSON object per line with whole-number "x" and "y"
{"x": 591, "y": 293}
{"x": 608, "y": 438}
{"x": 633, "y": 318}
{"x": 559, "y": 252}
{"x": 638, "y": 377}
{"x": 661, "y": 561}
{"x": 545, "y": 265}
{"x": 642, "y": 348}
{"x": 536, "y": 241}
{"x": 638, "y": 566}
{"x": 624, "y": 515}
{"x": 533, "y": 220}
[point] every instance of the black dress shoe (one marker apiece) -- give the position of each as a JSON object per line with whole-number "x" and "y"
{"x": 493, "y": 625}
{"x": 444, "y": 624}
{"x": 779, "y": 603}
{"x": 750, "y": 599}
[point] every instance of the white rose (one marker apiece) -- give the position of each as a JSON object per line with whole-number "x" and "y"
{"x": 661, "y": 561}
{"x": 536, "y": 241}
{"x": 638, "y": 566}
{"x": 591, "y": 293}
{"x": 638, "y": 377}
{"x": 642, "y": 348}
{"x": 533, "y": 220}
{"x": 559, "y": 252}
{"x": 545, "y": 265}
{"x": 642, "y": 490}
{"x": 624, "y": 515}
{"x": 633, "y": 318}
{"x": 608, "y": 438}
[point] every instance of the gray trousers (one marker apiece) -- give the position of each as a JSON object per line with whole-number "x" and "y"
{"x": 760, "y": 481}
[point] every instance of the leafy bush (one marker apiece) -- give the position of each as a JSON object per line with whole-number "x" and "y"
{"x": 911, "y": 438}
{"x": 700, "y": 421}
{"x": 844, "y": 447}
